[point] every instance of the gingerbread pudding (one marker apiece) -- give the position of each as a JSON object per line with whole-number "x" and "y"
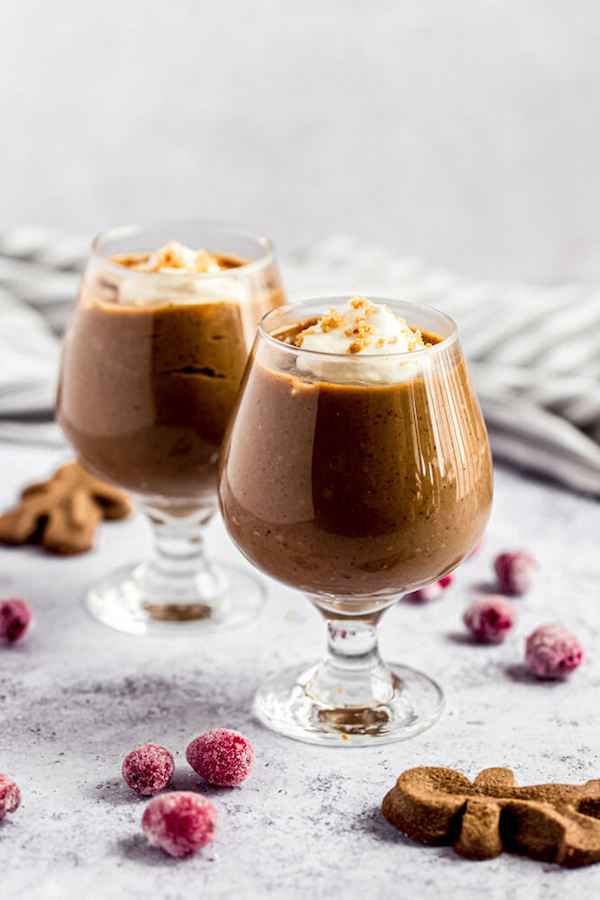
{"x": 357, "y": 464}
{"x": 152, "y": 363}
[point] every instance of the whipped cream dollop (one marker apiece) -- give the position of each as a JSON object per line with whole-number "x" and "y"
{"x": 174, "y": 258}
{"x": 360, "y": 327}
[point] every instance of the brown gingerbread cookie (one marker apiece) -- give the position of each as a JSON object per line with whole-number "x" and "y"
{"x": 62, "y": 513}
{"x": 552, "y": 822}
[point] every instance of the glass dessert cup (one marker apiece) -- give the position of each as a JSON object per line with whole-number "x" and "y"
{"x": 151, "y": 366}
{"x": 355, "y": 479}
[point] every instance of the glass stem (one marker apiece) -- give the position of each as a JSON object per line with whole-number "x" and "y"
{"x": 352, "y": 644}
{"x": 179, "y": 571}
{"x": 352, "y": 672}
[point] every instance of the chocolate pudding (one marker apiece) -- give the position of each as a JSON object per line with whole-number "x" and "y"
{"x": 354, "y": 477}
{"x": 152, "y": 363}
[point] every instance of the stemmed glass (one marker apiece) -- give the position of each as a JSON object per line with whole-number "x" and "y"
{"x": 354, "y": 478}
{"x": 151, "y": 365}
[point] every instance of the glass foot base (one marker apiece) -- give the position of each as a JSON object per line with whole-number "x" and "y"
{"x": 123, "y": 601}
{"x": 283, "y": 703}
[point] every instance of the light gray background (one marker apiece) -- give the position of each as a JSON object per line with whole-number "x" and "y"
{"x": 465, "y": 132}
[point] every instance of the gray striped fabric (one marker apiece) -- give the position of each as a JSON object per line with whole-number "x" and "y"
{"x": 534, "y": 352}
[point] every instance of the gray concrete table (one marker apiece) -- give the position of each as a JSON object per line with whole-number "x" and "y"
{"x": 76, "y": 696}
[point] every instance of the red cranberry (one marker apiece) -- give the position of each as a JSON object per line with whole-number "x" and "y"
{"x": 552, "y": 651}
{"x": 148, "y": 769}
{"x": 223, "y": 757}
{"x": 10, "y": 796}
{"x": 431, "y": 592}
{"x": 516, "y": 571}
{"x": 489, "y": 620}
{"x": 180, "y": 822}
{"x": 15, "y": 619}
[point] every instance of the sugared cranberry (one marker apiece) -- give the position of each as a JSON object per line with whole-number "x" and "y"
{"x": 552, "y": 651}
{"x": 148, "y": 769}
{"x": 516, "y": 571}
{"x": 223, "y": 757}
{"x": 15, "y": 619}
{"x": 180, "y": 822}
{"x": 10, "y": 796}
{"x": 431, "y": 592}
{"x": 489, "y": 620}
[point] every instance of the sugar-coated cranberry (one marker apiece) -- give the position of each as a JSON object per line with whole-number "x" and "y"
{"x": 552, "y": 651}
{"x": 490, "y": 619}
{"x": 516, "y": 571}
{"x": 431, "y": 592}
{"x": 10, "y": 796}
{"x": 148, "y": 769}
{"x": 180, "y": 822}
{"x": 15, "y": 619}
{"x": 223, "y": 757}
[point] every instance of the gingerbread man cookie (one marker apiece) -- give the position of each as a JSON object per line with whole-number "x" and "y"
{"x": 552, "y": 822}
{"x": 63, "y": 512}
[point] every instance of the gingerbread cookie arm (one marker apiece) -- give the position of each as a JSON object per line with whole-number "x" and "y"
{"x": 113, "y": 503}
{"x": 37, "y": 489}
{"x": 581, "y": 844}
{"x": 536, "y": 829}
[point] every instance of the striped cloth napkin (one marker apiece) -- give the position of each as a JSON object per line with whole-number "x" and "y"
{"x": 534, "y": 352}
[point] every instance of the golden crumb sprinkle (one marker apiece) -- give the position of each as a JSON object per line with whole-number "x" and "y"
{"x": 364, "y": 324}
{"x": 175, "y": 257}
{"x": 415, "y": 339}
{"x": 357, "y": 302}
{"x": 361, "y": 333}
{"x": 300, "y": 338}
{"x": 333, "y": 319}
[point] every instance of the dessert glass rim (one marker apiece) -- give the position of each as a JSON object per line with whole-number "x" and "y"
{"x": 123, "y": 231}
{"x": 442, "y": 344}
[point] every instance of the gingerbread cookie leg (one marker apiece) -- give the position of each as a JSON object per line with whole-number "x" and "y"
{"x": 480, "y": 832}
{"x": 17, "y": 526}
{"x": 427, "y": 804}
{"x": 72, "y": 525}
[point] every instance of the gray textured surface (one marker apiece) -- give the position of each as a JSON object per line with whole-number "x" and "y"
{"x": 75, "y": 697}
{"x": 460, "y": 131}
